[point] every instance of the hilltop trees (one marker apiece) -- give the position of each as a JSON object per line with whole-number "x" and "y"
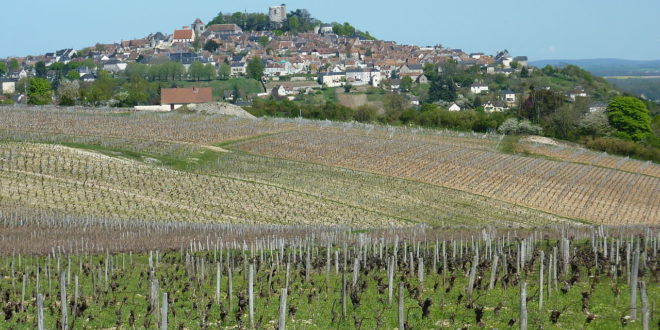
{"x": 630, "y": 117}
{"x": 3, "y": 68}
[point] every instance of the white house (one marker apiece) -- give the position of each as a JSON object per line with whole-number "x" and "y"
{"x": 496, "y": 106}
{"x": 114, "y": 66}
{"x": 509, "y": 97}
{"x": 597, "y": 107}
{"x": 183, "y": 36}
{"x": 574, "y": 94}
{"x": 238, "y": 68}
{"x": 454, "y": 107}
{"x": 8, "y": 86}
{"x": 478, "y": 88}
{"x": 360, "y": 77}
{"x": 332, "y": 79}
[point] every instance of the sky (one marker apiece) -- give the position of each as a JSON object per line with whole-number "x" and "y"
{"x": 539, "y": 29}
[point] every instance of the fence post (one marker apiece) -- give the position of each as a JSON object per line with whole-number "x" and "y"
{"x": 523, "y": 306}
{"x": 251, "y": 295}
{"x": 282, "y": 324}
{"x": 633, "y": 285}
{"x": 493, "y": 272}
{"x": 163, "y": 310}
{"x": 63, "y": 299}
{"x": 402, "y": 315}
{"x": 40, "y": 311}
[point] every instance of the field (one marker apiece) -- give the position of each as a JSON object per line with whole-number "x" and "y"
{"x": 237, "y": 276}
{"x": 124, "y": 220}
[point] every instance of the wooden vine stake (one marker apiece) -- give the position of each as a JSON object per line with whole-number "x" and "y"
{"x": 523, "y": 306}
{"x": 282, "y": 324}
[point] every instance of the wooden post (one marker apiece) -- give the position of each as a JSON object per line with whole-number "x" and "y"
{"x": 523, "y": 306}
{"x": 473, "y": 273}
{"x": 390, "y": 280}
{"x": 402, "y": 315}
{"x": 63, "y": 300}
{"x": 230, "y": 287}
{"x": 75, "y": 295}
{"x": 251, "y": 295}
{"x": 541, "y": 282}
{"x": 40, "y": 312}
{"x": 217, "y": 283}
{"x": 493, "y": 272}
{"x": 163, "y": 315}
{"x": 633, "y": 285}
{"x": 343, "y": 295}
{"x": 645, "y": 307}
{"x": 283, "y": 311}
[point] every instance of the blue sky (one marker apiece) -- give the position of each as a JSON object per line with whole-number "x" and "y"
{"x": 550, "y": 29}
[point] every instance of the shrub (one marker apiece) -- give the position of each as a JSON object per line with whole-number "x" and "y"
{"x": 623, "y": 148}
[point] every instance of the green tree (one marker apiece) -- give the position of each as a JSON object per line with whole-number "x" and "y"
{"x": 40, "y": 69}
{"x": 209, "y": 71}
{"x": 347, "y": 88}
{"x": 263, "y": 41}
{"x": 211, "y": 46}
{"x": 68, "y": 92}
{"x": 629, "y": 117}
{"x": 197, "y": 44}
{"x": 294, "y": 24}
{"x": 255, "y": 68}
{"x": 442, "y": 88}
{"x": 73, "y": 75}
{"x": 406, "y": 83}
{"x": 39, "y": 92}
{"x": 524, "y": 72}
{"x": 225, "y": 71}
{"x": 3, "y": 68}
{"x": 196, "y": 70}
{"x": 14, "y": 65}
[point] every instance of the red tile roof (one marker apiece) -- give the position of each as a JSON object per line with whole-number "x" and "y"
{"x": 185, "y": 95}
{"x": 183, "y": 34}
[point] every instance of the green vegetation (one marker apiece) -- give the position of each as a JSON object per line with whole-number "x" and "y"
{"x": 630, "y": 117}
{"x": 39, "y": 91}
{"x": 255, "y": 69}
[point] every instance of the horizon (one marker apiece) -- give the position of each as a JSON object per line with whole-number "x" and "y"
{"x": 473, "y": 35}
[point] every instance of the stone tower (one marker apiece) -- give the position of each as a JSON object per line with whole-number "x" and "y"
{"x": 198, "y": 26}
{"x": 277, "y": 14}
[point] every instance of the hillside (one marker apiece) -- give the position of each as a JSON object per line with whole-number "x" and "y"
{"x": 609, "y": 67}
{"x": 228, "y": 170}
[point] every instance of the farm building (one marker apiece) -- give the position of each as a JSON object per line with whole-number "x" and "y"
{"x": 178, "y": 97}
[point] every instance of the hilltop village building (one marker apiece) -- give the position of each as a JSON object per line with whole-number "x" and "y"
{"x": 320, "y": 57}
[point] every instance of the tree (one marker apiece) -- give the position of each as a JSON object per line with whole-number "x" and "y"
{"x": 39, "y": 92}
{"x": 524, "y": 73}
{"x": 40, "y": 69}
{"x": 442, "y": 88}
{"x": 209, "y": 71}
{"x": 14, "y": 65}
{"x": 69, "y": 92}
{"x": 3, "y": 68}
{"x": 294, "y": 24}
{"x": 255, "y": 68}
{"x": 225, "y": 71}
{"x": 73, "y": 75}
{"x": 347, "y": 88}
{"x": 196, "y": 70}
{"x": 540, "y": 104}
{"x": 406, "y": 83}
{"x": 595, "y": 124}
{"x": 211, "y": 46}
{"x": 197, "y": 44}
{"x": 630, "y": 117}
{"x": 263, "y": 41}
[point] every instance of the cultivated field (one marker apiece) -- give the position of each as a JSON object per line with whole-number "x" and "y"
{"x": 270, "y": 277}
{"x": 594, "y": 194}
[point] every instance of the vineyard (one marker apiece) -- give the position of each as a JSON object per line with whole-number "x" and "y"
{"x": 595, "y": 194}
{"x": 185, "y": 221}
{"x": 93, "y": 273}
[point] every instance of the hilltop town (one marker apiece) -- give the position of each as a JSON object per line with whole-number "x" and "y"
{"x": 326, "y": 56}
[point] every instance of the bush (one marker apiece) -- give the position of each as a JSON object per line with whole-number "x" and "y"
{"x": 512, "y": 126}
{"x": 623, "y": 148}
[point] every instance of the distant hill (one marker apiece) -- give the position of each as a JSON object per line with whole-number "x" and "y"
{"x": 609, "y": 67}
